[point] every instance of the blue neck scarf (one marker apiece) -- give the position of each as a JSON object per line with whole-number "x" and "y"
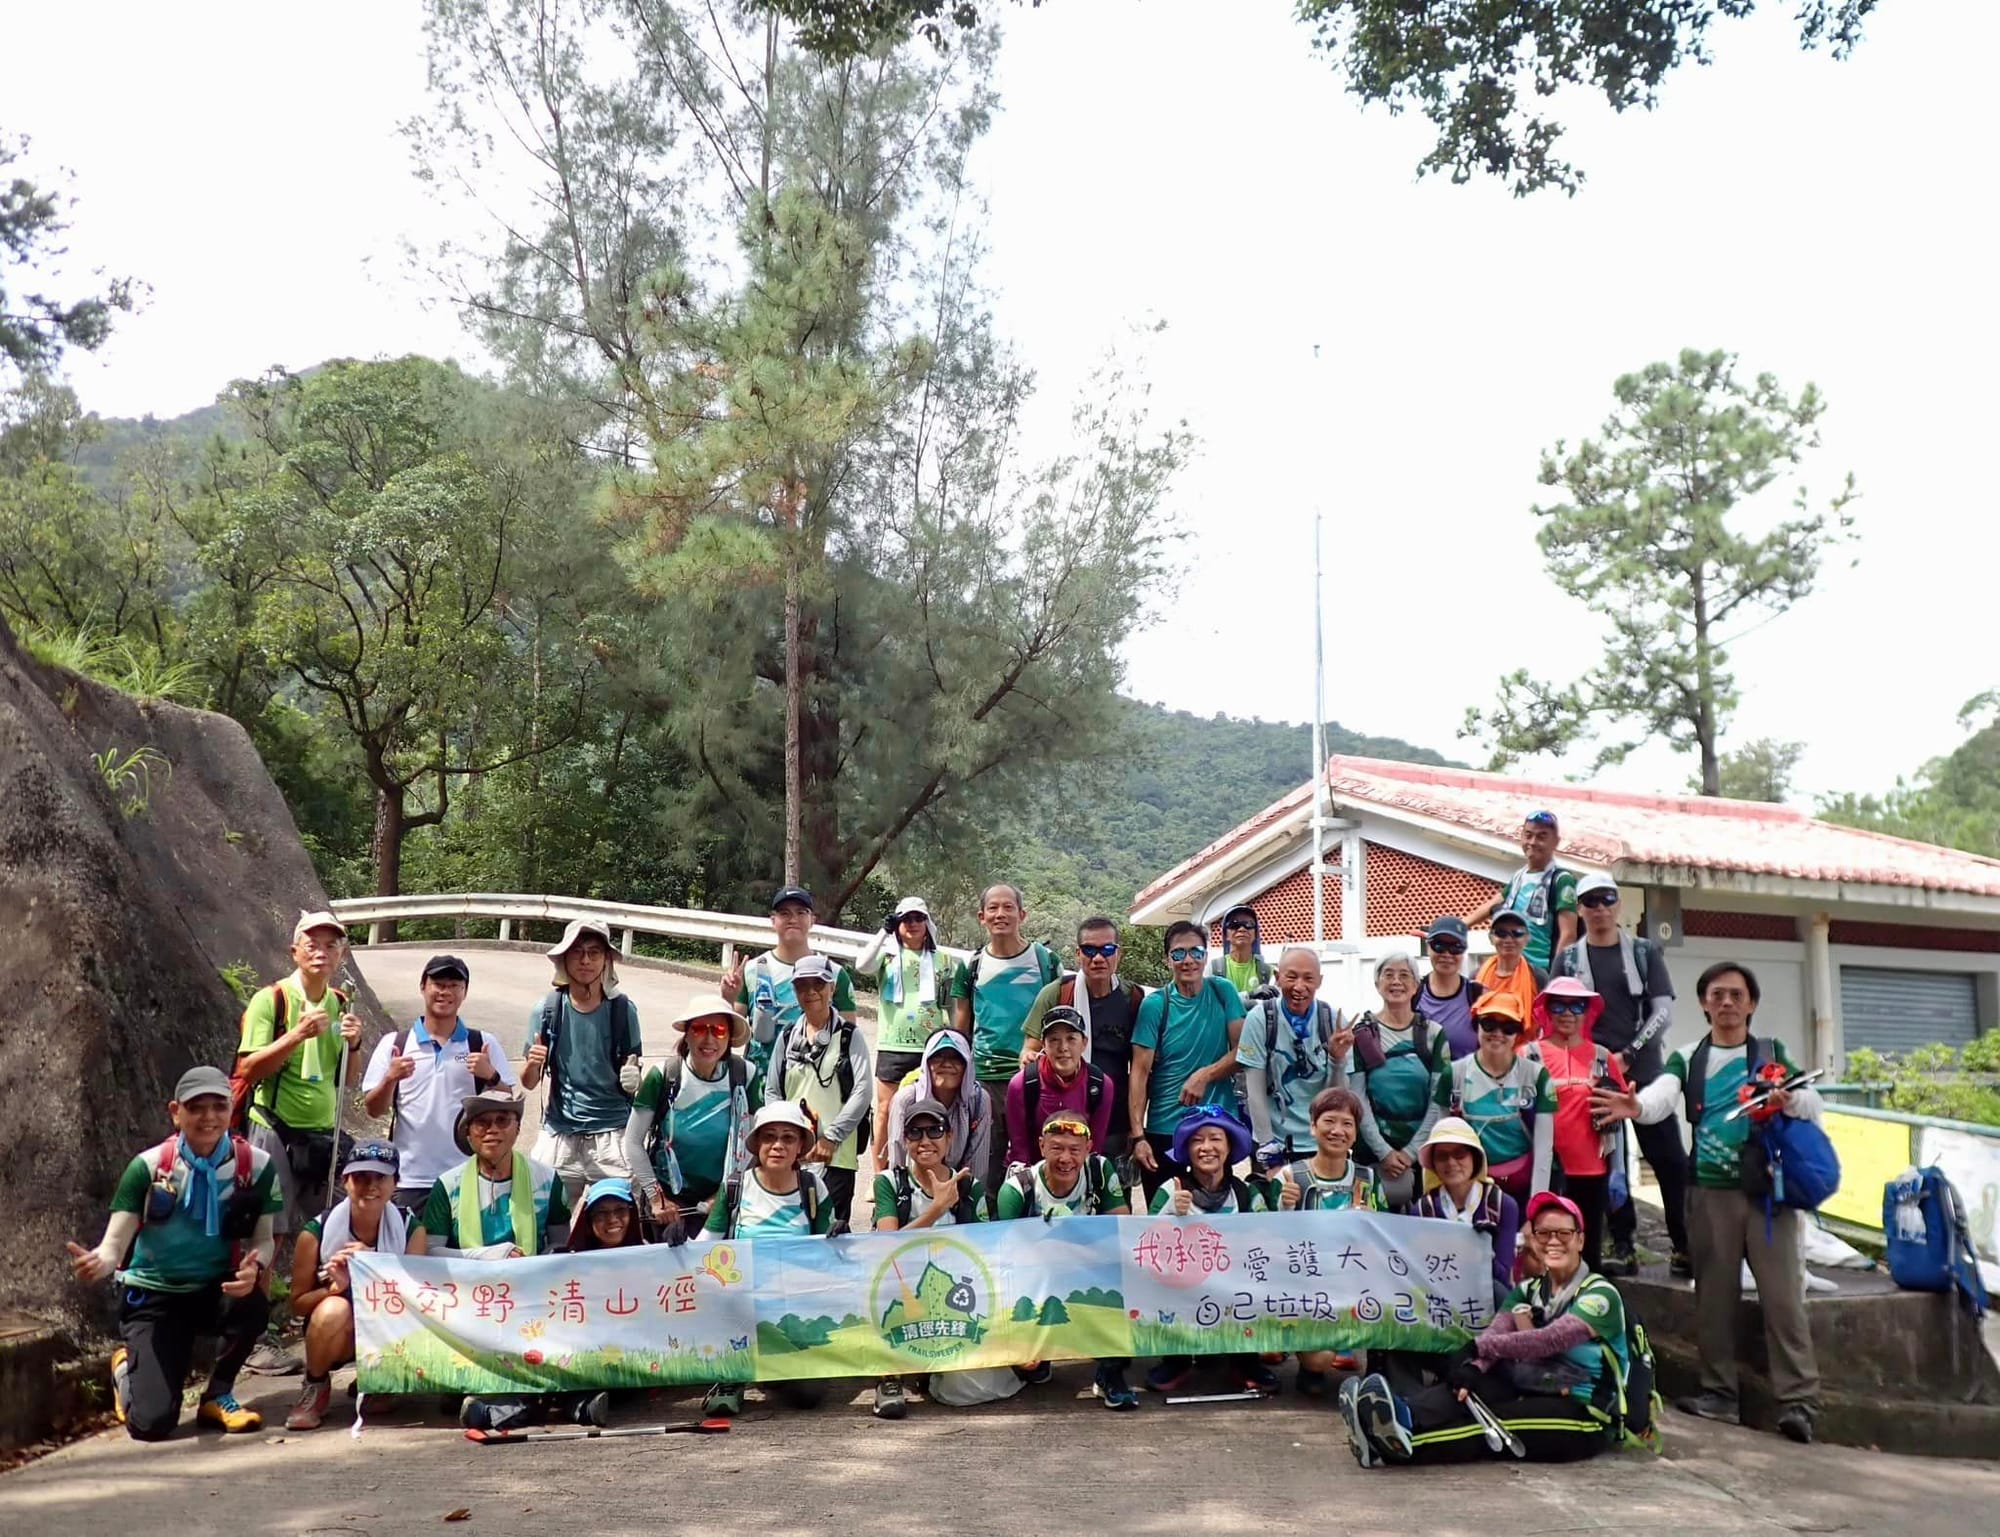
{"x": 1301, "y": 1025}
{"x": 204, "y": 1184}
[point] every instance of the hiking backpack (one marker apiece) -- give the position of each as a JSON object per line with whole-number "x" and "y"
{"x": 475, "y": 1043}
{"x": 906, "y": 1196}
{"x": 1096, "y": 1086}
{"x": 1368, "y": 1053}
{"x": 1929, "y": 1240}
{"x": 241, "y": 1220}
{"x": 624, "y": 1032}
{"x": 671, "y": 1077}
{"x": 1309, "y": 1193}
{"x": 1047, "y": 968}
{"x": 842, "y": 1043}
{"x": 264, "y": 1092}
{"x": 1022, "y": 1177}
{"x": 1635, "y": 1418}
{"x": 811, "y": 1193}
{"x": 1786, "y": 1161}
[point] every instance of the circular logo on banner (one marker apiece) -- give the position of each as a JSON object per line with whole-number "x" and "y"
{"x": 932, "y": 1298}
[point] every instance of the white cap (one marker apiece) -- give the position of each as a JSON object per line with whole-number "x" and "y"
{"x": 808, "y": 967}
{"x": 781, "y": 1112}
{"x": 1597, "y": 882}
{"x": 912, "y": 905}
{"x": 319, "y": 920}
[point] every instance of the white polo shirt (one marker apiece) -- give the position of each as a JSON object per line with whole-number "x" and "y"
{"x": 427, "y": 1101}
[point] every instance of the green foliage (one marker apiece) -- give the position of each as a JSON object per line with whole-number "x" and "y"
{"x": 36, "y": 327}
{"x": 241, "y": 978}
{"x": 1935, "y": 1080}
{"x": 1476, "y": 71}
{"x": 129, "y": 776}
{"x": 842, "y": 29}
{"x": 1651, "y": 538}
{"x": 1953, "y": 800}
{"x": 1756, "y": 771}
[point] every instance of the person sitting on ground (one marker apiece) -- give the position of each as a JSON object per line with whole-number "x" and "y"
{"x": 366, "y": 1221}
{"x": 1071, "y": 1181}
{"x": 195, "y": 1217}
{"x": 608, "y": 1219}
{"x": 778, "y": 1198}
{"x": 1445, "y": 997}
{"x": 823, "y": 1062}
{"x": 1293, "y": 1048}
{"x": 1551, "y": 1367}
{"x": 1457, "y": 1189}
{"x": 946, "y": 1076}
{"x": 1207, "y": 1143}
{"x": 1508, "y": 970}
{"x": 584, "y": 1035}
{"x": 1058, "y": 1077}
{"x": 927, "y": 1193}
{"x": 1399, "y": 1059}
{"x": 1332, "y": 1179}
{"x": 914, "y": 982}
{"x": 1506, "y": 1098}
{"x": 684, "y": 1138}
{"x": 1578, "y": 1068}
{"x": 498, "y": 1204}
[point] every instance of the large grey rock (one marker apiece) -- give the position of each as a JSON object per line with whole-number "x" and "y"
{"x": 113, "y": 932}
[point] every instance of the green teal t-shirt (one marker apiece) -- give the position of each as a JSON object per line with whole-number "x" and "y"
{"x": 1501, "y": 1109}
{"x": 1163, "y": 1200}
{"x": 496, "y": 1209}
{"x": 1000, "y": 1004}
{"x": 907, "y": 1021}
{"x": 699, "y": 1127}
{"x": 1097, "y": 1188}
{"x": 586, "y": 1096}
{"x": 1538, "y": 896}
{"x": 1400, "y": 1091}
{"x": 175, "y": 1254}
{"x": 1598, "y": 1303}
{"x": 1185, "y": 1034}
{"x": 1718, "y": 1142}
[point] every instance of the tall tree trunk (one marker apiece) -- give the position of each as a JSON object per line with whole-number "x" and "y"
{"x": 387, "y": 848}
{"x": 1704, "y": 663}
{"x": 794, "y": 694}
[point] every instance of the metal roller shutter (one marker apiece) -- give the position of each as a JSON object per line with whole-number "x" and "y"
{"x": 1894, "y": 1011}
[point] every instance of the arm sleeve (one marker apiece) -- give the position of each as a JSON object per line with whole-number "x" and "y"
{"x": 1031, "y": 1027}
{"x": 1017, "y": 1119}
{"x": 878, "y": 942}
{"x": 638, "y": 1127}
{"x": 119, "y": 1231}
{"x": 1565, "y": 1333}
{"x": 861, "y": 1096}
{"x": 264, "y": 1239}
{"x": 1545, "y": 1143}
{"x": 497, "y": 1055}
{"x": 1371, "y": 1134}
{"x": 1659, "y": 1099}
{"x": 982, "y": 1134}
{"x": 1257, "y": 1096}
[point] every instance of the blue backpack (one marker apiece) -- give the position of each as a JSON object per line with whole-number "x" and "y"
{"x": 1929, "y": 1241}
{"x": 1804, "y": 1168}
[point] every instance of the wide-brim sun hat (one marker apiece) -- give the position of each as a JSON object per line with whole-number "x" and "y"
{"x": 707, "y": 1006}
{"x": 483, "y": 1104}
{"x": 1451, "y": 1131}
{"x": 1569, "y": 987}
{"x": 1200, "y": 1119}
{"x": 573, "y": 931}
{"x": 782, "y": 1112}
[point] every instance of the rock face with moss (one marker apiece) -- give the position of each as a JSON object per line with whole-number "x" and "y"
{"x": 146, "y": 861}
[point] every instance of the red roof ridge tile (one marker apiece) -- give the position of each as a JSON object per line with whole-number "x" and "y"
{"x": 1533, "y": 789}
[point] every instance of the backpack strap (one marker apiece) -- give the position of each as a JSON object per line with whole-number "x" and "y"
{"x": 623, "y": 1018}
{"x": 1460, "y": 1066}
{"x": 1031, "y": 1097}
{"x": 549, "y": 1029}
{"x": 1241, "y": 1193}
{"x": 905, "y": 1188}
{"x": 809, "y": 1198}
{"x": 1093, "y": 1087}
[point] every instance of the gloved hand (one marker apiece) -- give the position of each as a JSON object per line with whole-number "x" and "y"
{"x": 1465, "y": 1373}
{"x": 1260, "y": 994}
{"x": 630, "y": 1074}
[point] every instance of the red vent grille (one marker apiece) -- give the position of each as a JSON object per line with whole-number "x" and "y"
{"x": 1705, "y": 923}
{"x": 1404, "y": 894}
{"x": 1907, "y": 936}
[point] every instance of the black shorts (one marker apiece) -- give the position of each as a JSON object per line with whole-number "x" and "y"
{"x": 895, "y": 1066}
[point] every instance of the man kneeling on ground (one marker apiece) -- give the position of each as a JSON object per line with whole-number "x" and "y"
{"x": 1546, "y": 1367}
{"x": 367, "y": 1222}
{"x": 195, "y": 1215}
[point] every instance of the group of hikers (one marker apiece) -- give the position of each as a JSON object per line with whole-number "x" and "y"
{"x": 1003, "y": 1087}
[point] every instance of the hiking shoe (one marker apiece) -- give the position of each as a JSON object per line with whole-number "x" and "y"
{"x": 1350, "y": 1411}
{"x": 1169, "y": 1376}
{"x": 1680, "y": 1266}
{"x": 889, "y": 1401}
{"x": 724, "y": 1400}
{"x": 225, "y": 1411}
{"x": 1796, "y": 1423}
{"x": 1382, "y": 1417}
{"x": 1311, "y": 1384}
{"x": 1035, "y": 1373}
{"x": 1719, "y": 1407}
{"x": 121, "y": 1383}
{"x": 1256, "y": 1377}
{"x": 594, "y": 1410}
{"x": 271, "y": 1359}
{"x": 1620, "y": 1261}
{"x": 1111, "y": 1386}
{"x": 314, "y": 1396}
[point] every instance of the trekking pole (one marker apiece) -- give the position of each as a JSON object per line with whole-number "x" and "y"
{"x": 1498, "y": 1436}
{"x": 714, "y": 1427}
{"x": 1248, "y": 1395}
{"x": 1756, "y": 1100}
{"x": 339, "y": 1111}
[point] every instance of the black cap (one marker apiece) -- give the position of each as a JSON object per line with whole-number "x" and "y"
{"x": 1446, "y": 927}
{"x": 445, "y": 966}
{"x": 793, "y": 894}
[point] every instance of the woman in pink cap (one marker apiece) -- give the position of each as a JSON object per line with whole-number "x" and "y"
{"x": 1565, "y": 1011}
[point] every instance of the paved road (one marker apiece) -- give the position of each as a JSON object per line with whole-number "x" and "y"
{"x": 1055, "y": 1464}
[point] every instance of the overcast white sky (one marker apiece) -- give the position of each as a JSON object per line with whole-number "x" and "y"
{"x": 1199, "y": 163}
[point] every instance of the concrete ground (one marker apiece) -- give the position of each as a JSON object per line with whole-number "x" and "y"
{"x": 1050, "y": 1461}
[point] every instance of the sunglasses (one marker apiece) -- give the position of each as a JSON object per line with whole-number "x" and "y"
{"x": 1066, "y": 1128}
{"x": 1092, "y": 952}
{"x": 1243, "y": 924}
{"x": 1187, "y": 953}
{"x": 924, "y": 1131}
{"x": 707, "y": 1027}
{"x": 1599, "y": 899}
{"x": 1446, "y": 947}
{"x": 1509, "y": 936}
{"x": 1499, "y": 1024}
{"x": 1568, "y": 1005}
